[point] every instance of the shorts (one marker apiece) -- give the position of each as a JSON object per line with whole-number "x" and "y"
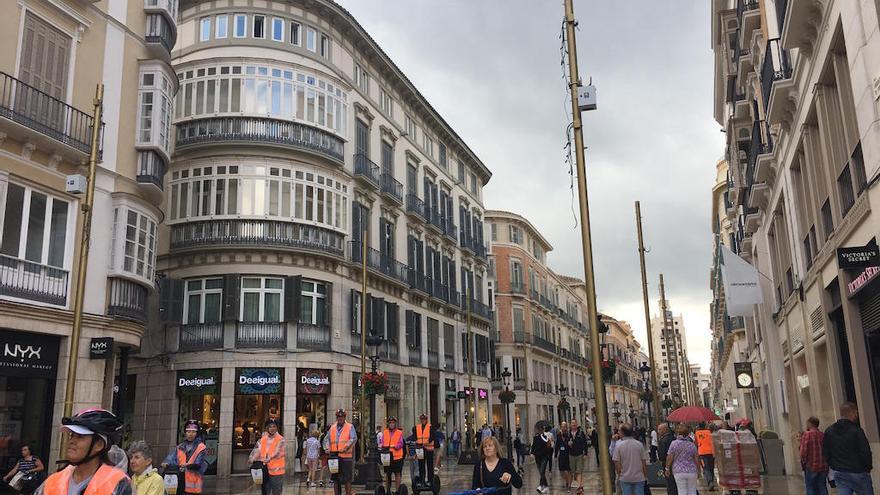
{"x": 395, "y": 467}
{"x": 314, "y": 463}
{"x": 346, "y": 471}
{"x": 564, "y": 464}
{"x": 577, "y": 463}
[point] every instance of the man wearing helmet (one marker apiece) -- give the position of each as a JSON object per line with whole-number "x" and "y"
{"x": 92, "y": 433}
{"x": 427, "y": 438}
{"x": 340, "y": 441}
{"x": 392, "y": 439}
{"x": 270, "y": 450}
{"x": 190, "y": 457}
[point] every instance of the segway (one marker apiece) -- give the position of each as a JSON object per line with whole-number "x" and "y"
{"x": 172, "y": 479}
{"x": 333, "y": 467}
{"x": 258, "y": 473}
{"x": 385, "y": 461}
{"x": 417, "y": 453}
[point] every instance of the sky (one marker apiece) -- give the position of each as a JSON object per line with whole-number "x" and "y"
{"x": 492, "y": 69}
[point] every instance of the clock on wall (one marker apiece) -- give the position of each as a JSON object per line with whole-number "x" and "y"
{"x": 743, "y": 373}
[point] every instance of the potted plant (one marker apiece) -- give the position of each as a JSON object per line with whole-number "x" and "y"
{"x": 374, "y": 383}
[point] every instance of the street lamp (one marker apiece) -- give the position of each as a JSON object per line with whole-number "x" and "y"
{"x": 648, "y": 397}
{"x": 632, "y": 415}
{"x": 372, "y": 475}
{"x": 563, "y": 404}
{"x": 615, "y": 411}
{"x": 505, "y": 377}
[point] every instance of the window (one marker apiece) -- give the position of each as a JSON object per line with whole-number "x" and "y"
{"x": 295, "y": 34}
{"x": 461, "y": 172}
{"x": 325, "y": 46}
{"x": 313, "y": 303}
{"x": 154, "y": 109}
{"x": 311, "y": 39}
{"x": 516, "y": 235}
{"x": 386, "y": 103}
{"x": 411, "y": 128}
{"x": 277, "y": 29}
{"x": 136, "y": 234}
{"x": 240, "y": 30}
{"x": 259, "y": 30}
{"x": 221, "y": 27}
{"x": 261, "y": 299}
{"x": 361, "y": 79}
{"x": 35, "y": 227}
{"x": 202, "y": 303}
{"x": 516, "y": 274}
{"x": 845, "y": 188}
{"x": 518, "y": 320}
{"x": 443, "y": 159}
{"x": 827, "y": 219}
{"x": 473, "y": 184}
{"x": 205, "y": 29}
{"x": 494, "y": 228}
{"x": 428, "y": 145}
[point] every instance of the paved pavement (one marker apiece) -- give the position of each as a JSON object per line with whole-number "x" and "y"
{"x": 457, "y": 478}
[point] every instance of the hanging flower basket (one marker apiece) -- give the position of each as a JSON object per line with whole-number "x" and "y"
{"x": 507, "y": 396}
{"x": 609, "y": 368}
{"x": 374, "y": 383}
{"x": 646, "y": 396}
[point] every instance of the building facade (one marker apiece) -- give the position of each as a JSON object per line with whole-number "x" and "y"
{"x": 55, "y": 54}
{"x": 795, "y": 86}
{"x": 670, "y": 357}
{"x": 540, "y": 335}
{"x": 623, "y": 391}
{"x": 303, "y": 154}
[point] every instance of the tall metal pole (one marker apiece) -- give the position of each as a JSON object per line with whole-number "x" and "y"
{"x": 647, "y": 319}
{"x": 363, "y": 426}
{"x": 599, "y": 388}
{"x": 83, "y": 260}
{"x": 473, "y": 400}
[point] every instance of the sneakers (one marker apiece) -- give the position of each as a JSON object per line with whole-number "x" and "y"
{"x": 321, "y": 483}
{"x": 543, "y": 489}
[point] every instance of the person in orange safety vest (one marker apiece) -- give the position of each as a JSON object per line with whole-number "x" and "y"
{"x": 270, "y": 450}
{"x": 90, "y": 472}
{"x": 340, "y": 441}
{"x": 190, "y": 457}
{"x": 427, "y": 437}
{"x": 705, "y": 450}
{"x": 392, "y": 439}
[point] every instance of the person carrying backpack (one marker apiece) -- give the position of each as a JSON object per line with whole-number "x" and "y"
{"x": 542, "y": 449}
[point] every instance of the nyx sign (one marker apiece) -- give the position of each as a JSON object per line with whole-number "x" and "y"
{"x": 101, "y": 348}
{"x": 28, "y": 354}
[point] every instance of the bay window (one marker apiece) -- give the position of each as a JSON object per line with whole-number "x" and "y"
{"x": 205, "y": 29}
{"x": 202, "y": 303}
{"x": 35, "y": 227}
{"x": 221, "y": 27}
{"x": 259, "y": 26}
{"x": 134, "y": 243}
{"x": 262, "y": 299}
{"x": 240, "y": 30}
{"x": 277, "y": 29}
{"x": 154, "y": 108}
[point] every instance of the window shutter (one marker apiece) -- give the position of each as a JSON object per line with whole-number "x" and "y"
{"x": 353, "y": 310}
{"x": 369, "y": 303}
{"x": 328, "y": 305}
{"x": 356, "y": 227}
{"x": 393, "y": 330}
{"x": 377, "y": 322}
{"x": 292, "y": 298}
{"x": 231, "y": 296}
{"x": 417, "y": 329}
{"x": 410, "y": 340}
{"x": 171, "y": 294}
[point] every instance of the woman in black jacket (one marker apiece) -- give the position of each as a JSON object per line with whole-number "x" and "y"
{"x": 493, "y": 471}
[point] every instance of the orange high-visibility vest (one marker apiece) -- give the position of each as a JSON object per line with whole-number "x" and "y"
{"x": 340, "y": 439}
{"x": 192, "y": 479}
{"x": 423, "y": 436}
{"x": 393, "y": 442}
{"x": 704, "y": 442}
{"x": 103, "y": 482}
{"x": 268, "y": 447}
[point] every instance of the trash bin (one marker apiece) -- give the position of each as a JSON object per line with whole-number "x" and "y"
{"x": 774, "y": 461}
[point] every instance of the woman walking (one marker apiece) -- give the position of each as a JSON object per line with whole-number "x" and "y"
{"x": 493, "y": 471}
{"x": 683, "y": 462}
{"x": 563, "y": 440}
{"x": 542, "y": 449}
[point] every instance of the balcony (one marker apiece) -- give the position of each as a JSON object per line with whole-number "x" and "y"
{"x": 161, "y": 35}
{"x": 417, "y": 281}
{"x": 314, "y": 337}
{"x": 392, "y": 189}
{"x": 433, "y": 359}
{"x": 200, "y": 336}
{"x": 449, "y": 362}
{"x": 380, "y": 263}
{"x": 519, "y": 337}
{"x": 151, "y": 169}
{"x": 366, "y": 170}
{"x": 45, "y": 119}
{"x": 450, "y": 230}
{"x": 776, "y": 80}
{"x": 128, "y": 300}
{"x": 32, "y": 281}
{"x": 167, "y": 7}
{"x": 543, "y": 344}
{"x": 415, "y": 356}
{"x": 261, "y": 335}
{"x": 432, "y": 216}
{"x": 476, "y": 308}
{"x": 748, "y": 16}
{"x": 238, "y": 130}
{"x": 255, "y": 234}
{"x": 517, "y": 288}
{"x": 415, "y": 206}
{"x": 390, "y": 351}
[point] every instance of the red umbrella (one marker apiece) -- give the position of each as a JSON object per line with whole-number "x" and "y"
{"x": 692, "y": 414}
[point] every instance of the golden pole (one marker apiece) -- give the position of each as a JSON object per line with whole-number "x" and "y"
{"x": 470, "y": 350}
{"x": 655, "y": 417}
{"x": 583, "y": 200}
{"x": 364, "y": 426}
{"x": 83, "y": 261}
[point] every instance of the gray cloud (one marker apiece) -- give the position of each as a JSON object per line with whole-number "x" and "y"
{"x": 492, "y": 69}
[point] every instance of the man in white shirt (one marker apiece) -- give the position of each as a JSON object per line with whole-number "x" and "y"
{"x": 629, "y": 463}
{"x": 653, "y": 446}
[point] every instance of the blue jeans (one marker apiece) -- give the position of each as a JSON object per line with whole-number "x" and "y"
{"x": 637, "y": 488}
{"x": 853, "y": 483}
{"x": 815, "y": 482}
{"x": 709, "y": 469}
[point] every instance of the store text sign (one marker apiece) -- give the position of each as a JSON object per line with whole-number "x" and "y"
{"x": 198, "y": 382}
{"x": 852, "y": 258}
{"x": 862, "y": 280}
{"x": 28, "y": 355}
{"x": 258, "y": 381}
{"x": 483, "y": 394}
{"x": 313, "y": 382}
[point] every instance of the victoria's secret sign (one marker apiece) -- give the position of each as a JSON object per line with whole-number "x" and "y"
{"x": 862, "y": 280}
{"x": 313, "y": 382}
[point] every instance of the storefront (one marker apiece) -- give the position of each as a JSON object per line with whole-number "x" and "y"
{"x": 451, "y": 411}
{"x": 392, "y": 395}
{"x": 198, "y": 392}
{"x": 258, "y": 397}
{"x": 483, "y": 407}
{"x": 28, "y": 367}
{"x": 865, "y": 290}
{"x": 312, "y": 389}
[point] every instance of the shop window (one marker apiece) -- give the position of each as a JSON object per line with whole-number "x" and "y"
{"x": 203, "y": 301}
{"x": 261, "y": 299}
{"x": 258, "y": 398}
{"x": 313, "y": 303}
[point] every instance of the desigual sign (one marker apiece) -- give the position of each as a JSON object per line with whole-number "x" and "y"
{"x": 28, "y": 355}
{"x": 198, "y": 382}
{"x": 259, "y": 381}
{"x": 313, "y": 381}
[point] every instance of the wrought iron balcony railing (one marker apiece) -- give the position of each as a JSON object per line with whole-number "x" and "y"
{"x": 260, "y": 334}
{"x": 200, "y": 336}
{"x": 415, "y": 356}
{"x": 256, "y": 233}
{"x": 391, "y": 187}
{"x": 161, "y": 31}
{"x": 151, "y": 168}
{"x": 237, "y": 129}
{"x": 128, "y": 300}
{"x": 366, "y": 169}
{"x": 449, "y": 362}
{"x": 543, "y": 344}
{"x": 414, "y": 204}
{"x": 32, "y": 281}
{"x": 314, "y": 337}
{"x": 379, "y": 262}
{"x": 36, "y": 110}
{"x": 776, "y": 68}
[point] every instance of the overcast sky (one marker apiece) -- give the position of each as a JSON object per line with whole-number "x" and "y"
{"x": 492, "y": 69}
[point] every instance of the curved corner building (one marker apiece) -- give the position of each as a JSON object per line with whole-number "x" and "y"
{"x": 295, "y": 138}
